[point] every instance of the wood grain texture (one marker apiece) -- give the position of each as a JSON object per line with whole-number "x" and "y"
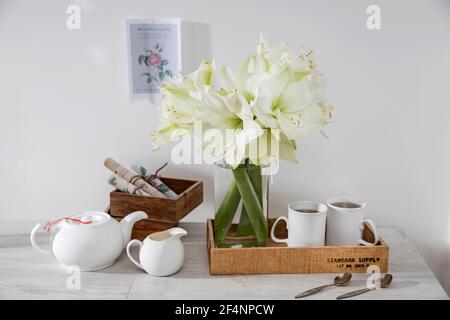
{"x": 143, "y": 228}
{"x": 190, "y": 195}
{"x": 27, "y": 274}
{"x": 277, "y": 258}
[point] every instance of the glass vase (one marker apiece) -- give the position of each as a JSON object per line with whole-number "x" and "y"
{"x": 241, "y": 200}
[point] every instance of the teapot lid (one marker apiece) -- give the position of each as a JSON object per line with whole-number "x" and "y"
{"x": 88, "y": 218}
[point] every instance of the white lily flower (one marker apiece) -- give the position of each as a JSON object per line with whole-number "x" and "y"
{"x": 202, "y": 78}
{"x": 303, "y": 66}
{"x": 271, "y": 146}
{"x": 314, "y": 118}
{"x": 274, "y": 57}
{"x": 232, "y": 115}
{"x": 288, "y": 105}
{"x": 181, "y": 101}
{"x": 167, "y": 132}
{"x": 246, "y": 78}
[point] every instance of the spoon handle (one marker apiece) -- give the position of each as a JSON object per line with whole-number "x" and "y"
{"x": 312, "y": 291}
{"x": 353, "y": 293}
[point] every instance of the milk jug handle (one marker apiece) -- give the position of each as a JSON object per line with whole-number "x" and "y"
{"x": 129, "y": 245}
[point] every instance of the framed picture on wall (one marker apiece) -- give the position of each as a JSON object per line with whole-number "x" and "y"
{"x": 154, "y": 54}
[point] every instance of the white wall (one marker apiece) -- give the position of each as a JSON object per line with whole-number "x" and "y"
{"x": 64, "y": 105}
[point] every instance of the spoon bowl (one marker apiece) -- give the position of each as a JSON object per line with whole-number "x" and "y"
{"x": 386, "y": 280}
{"x": 342, "y": 279}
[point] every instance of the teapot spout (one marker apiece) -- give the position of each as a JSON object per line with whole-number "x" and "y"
{"x": 128, "y": 222}
{"x": 177, "y": 232}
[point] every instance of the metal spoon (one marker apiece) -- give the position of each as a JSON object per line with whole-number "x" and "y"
{"x": 339, "y": 281}
{"x": 385, "y": 282}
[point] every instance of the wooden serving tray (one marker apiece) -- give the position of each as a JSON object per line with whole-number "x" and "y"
{"x": 277, "y": 258}
{"x": 163, "y": 213}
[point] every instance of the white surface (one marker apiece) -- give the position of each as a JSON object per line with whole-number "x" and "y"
{"x": 65, "y": 108}
{"x": 27, "y": 274}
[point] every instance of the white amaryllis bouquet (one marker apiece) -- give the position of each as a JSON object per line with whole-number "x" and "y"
{"x": 273, "y": 98}
{"x": 273, "y": 95}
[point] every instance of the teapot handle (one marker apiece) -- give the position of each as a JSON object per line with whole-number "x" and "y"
{"x": 34, "y": 242}
{"x": 130, "y": 244}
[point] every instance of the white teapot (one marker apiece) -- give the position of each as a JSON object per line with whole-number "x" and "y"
{"x": 92, "y": 240}
{"x": 161, "y": 253}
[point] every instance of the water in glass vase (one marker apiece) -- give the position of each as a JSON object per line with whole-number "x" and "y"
{"x": 241, "y": 206}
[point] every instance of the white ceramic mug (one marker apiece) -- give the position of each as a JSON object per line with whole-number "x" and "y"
{"x": 306, "y": 228}
{"x": 345, "y": 223}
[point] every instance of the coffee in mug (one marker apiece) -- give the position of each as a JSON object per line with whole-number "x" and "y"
{"x": 307, "y": 211}
{"x": 346, "y": 205}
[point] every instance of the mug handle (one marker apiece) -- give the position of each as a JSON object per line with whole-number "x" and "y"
{"x": 373, "y": 227}
{"x": 272, "y": 231}
{"x": 134, "y": 242}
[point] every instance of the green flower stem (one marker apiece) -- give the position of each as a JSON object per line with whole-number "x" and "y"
{"x": 256, "y": 179}
{"x": 225, "y": 214}
{"x": 252, "y": 205}
{"x": 245, "y": 228}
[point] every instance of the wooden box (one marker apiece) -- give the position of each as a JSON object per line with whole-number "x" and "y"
{"x": 163, "y": 213}
{"x": 143, "y": 228}
{"x": 277, "y": 258}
